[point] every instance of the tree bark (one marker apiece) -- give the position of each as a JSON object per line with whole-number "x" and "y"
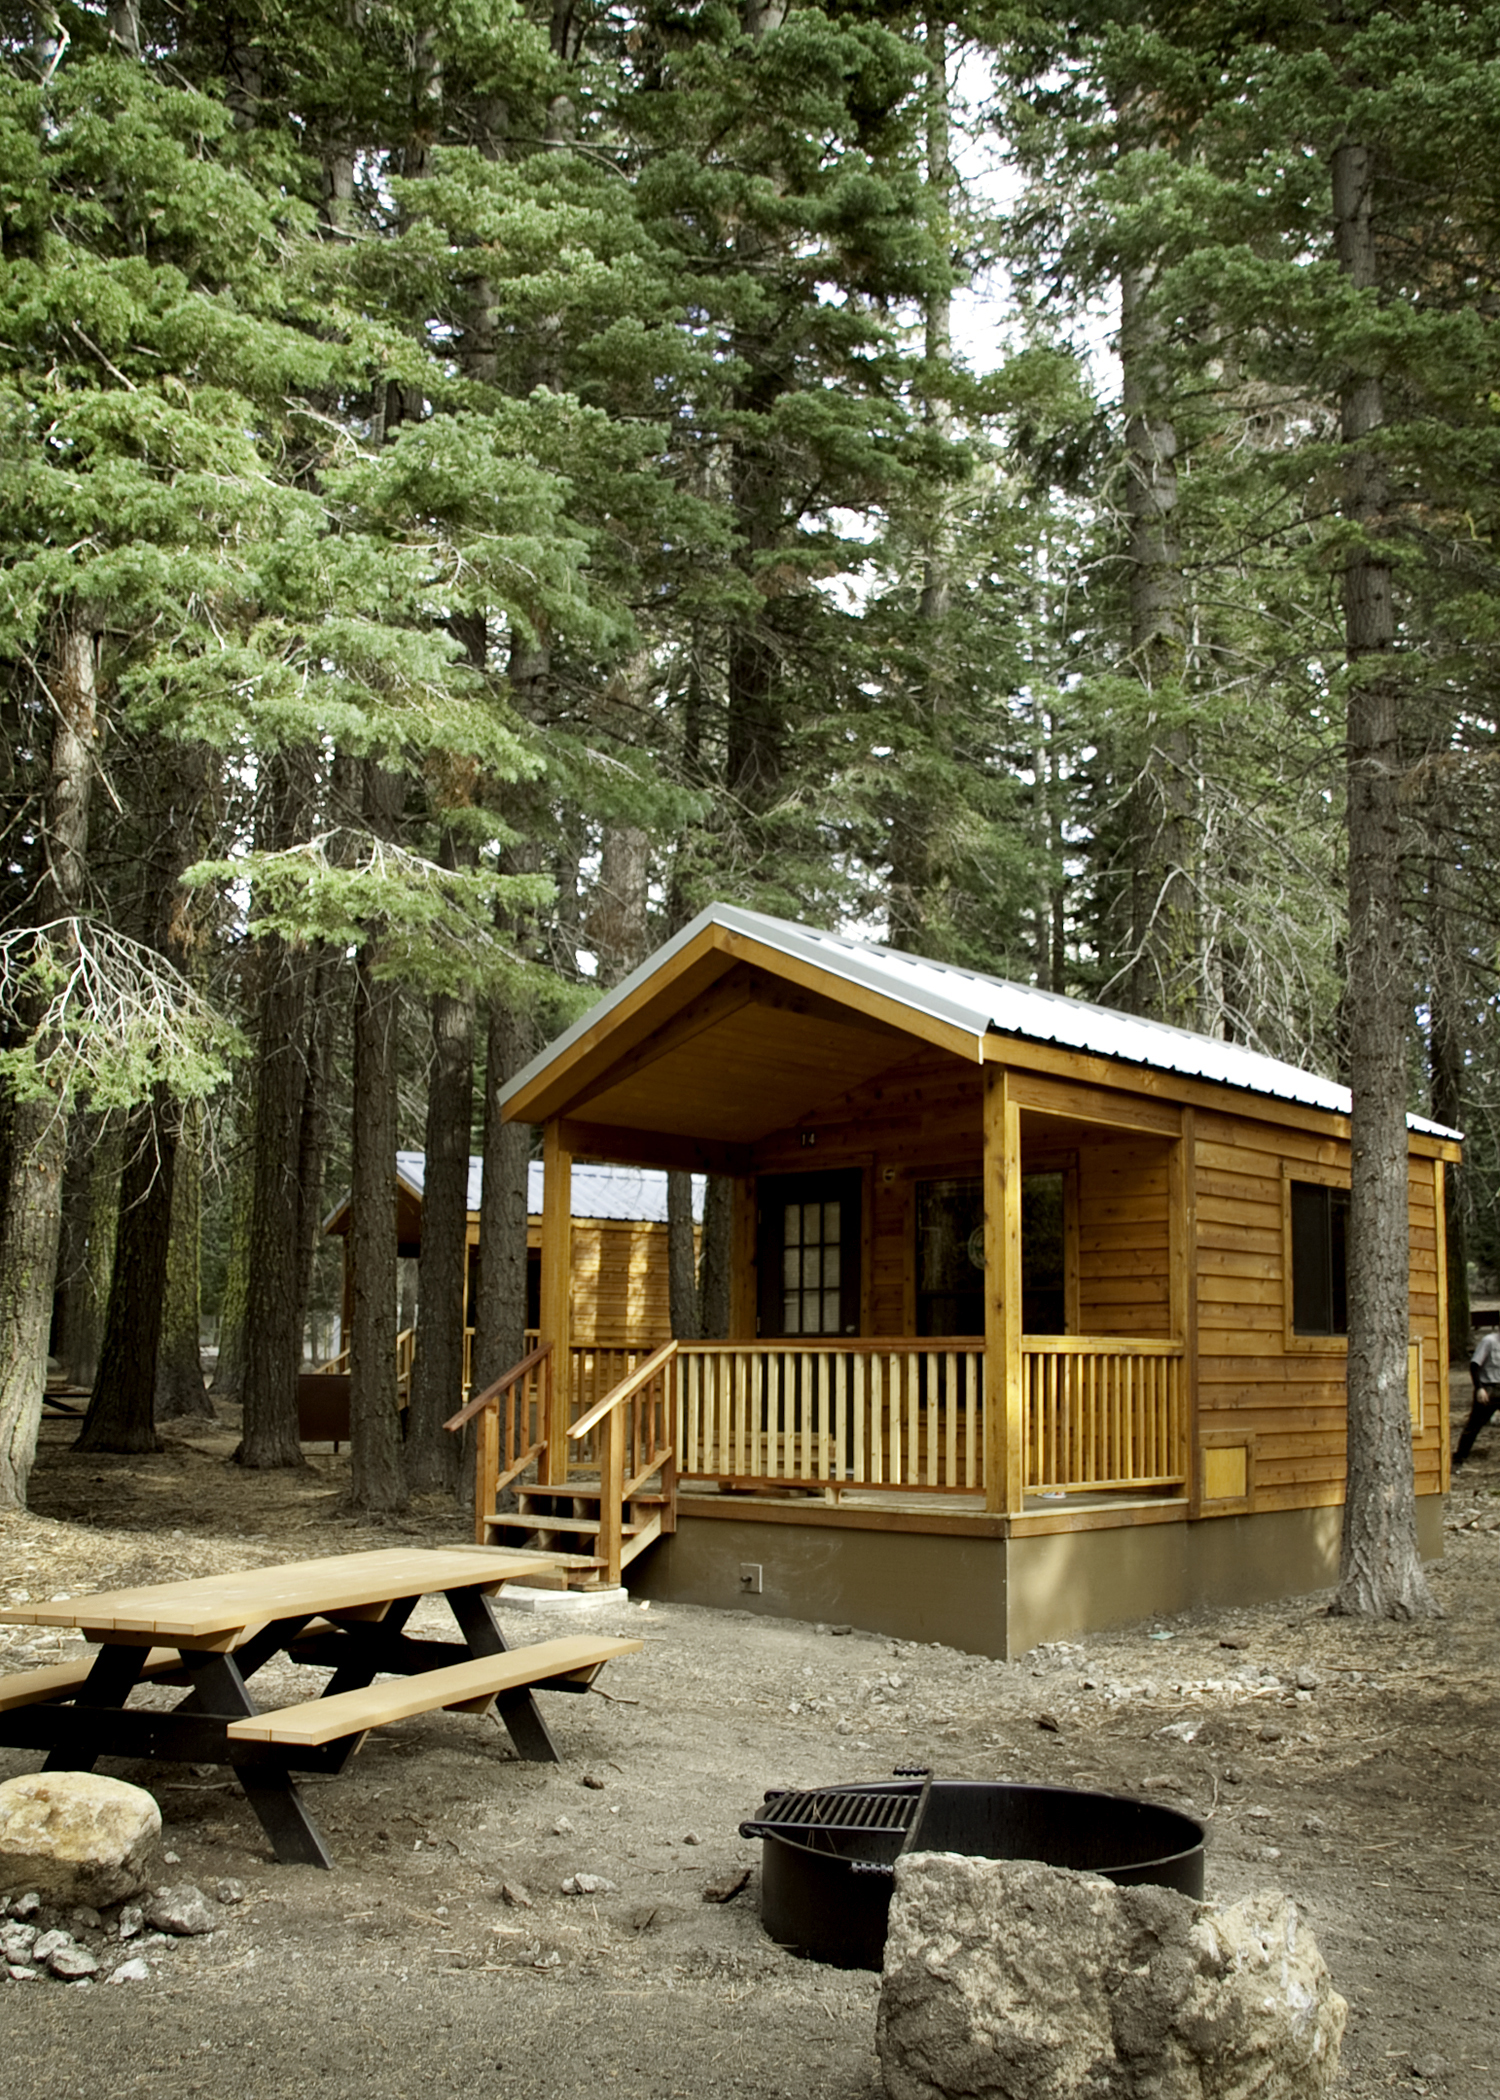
{"x": 275, "y": 1268}
{"x": 180, "y": 1392}
{"x": 122, "y": 1407}
{"x": 1164, "y": 980}
{"x": 31, "y": 1204}
{"x": 682, "y": 1259}
{"x": 377, "y": 1479}
{"x": 756, "y": 727}
{"x": 1380, "y": 1569}
{"x": 122, "y": 1411}
{"x": 914, "y": 916}
{"x": 433, "y": 1457}
{"x": 500, "y": 1312}
{"x": 714, "y": 1263}
{"x": 228, "y": 1381}
{"x": 90, "y": 1208}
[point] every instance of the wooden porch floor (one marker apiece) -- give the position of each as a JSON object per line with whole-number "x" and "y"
{"x": 952, "y": 1514}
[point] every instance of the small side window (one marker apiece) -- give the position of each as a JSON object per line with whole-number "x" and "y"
{"x": 1320, "y": 1237}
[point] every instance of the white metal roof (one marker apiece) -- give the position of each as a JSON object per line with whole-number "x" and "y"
{"x": 980, "y": 1005}
{"x": 634, "y": 1195}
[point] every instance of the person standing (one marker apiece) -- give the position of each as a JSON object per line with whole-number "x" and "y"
{"x": 1484, "y": 1370}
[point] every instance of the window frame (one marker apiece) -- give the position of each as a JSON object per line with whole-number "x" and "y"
{"x": 1318, "y": 1176}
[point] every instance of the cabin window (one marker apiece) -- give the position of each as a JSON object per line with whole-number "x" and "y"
{"x": 950, "y": 1255}
{"x": 1320, "y": 1234}
{"x": 809, "y": 1254}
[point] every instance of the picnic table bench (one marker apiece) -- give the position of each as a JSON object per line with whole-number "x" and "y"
{"x": 347, "y": 1613}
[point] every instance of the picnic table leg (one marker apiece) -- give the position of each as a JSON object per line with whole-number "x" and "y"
{"x": 518, "y": 1709}
{"x": 114, "y": 1675}
{"x": 269, "y": 1786}
{"x": 250, "y": 1656}
{"x": 362, "y": 1669}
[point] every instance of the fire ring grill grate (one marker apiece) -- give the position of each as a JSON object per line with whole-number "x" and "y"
{"x": 822, "y": 1818}
{"x": 829, "y": 1853}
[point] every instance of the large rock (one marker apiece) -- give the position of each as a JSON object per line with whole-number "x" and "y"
{"x": 1006, "y": 1980}
{"x": 77, "y": 1838}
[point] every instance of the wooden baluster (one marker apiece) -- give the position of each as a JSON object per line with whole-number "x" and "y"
{"x": 971, "y": 1419}
{"x": 948, "y": 1472}
{"x": 860, "y": 1401}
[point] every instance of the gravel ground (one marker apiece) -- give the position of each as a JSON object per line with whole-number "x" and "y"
{"x": 1352, "y": 1765}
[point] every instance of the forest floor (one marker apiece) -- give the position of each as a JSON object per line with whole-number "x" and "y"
{"x": 1369, "y": 1796}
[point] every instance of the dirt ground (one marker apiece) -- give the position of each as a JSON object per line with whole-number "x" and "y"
{"x": 1370, "y": 1796}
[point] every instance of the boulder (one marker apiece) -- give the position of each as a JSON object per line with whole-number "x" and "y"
{"x": 1007, "y": 1980}
{"x": 77, "y": 1838}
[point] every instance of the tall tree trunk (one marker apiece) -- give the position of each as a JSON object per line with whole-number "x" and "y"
{"x": 228, "y": 1382}
{"x": 376, "y": 1475}
{"x": 122, "y": 1411}
{"x": 1380, "y": 1570}
{"x": 1164, "y": 978}
{"x": 90, "y": 1208}
{"x": 433, "y": 1457}
{"x": 275, "y": 1271}
{"x": 500, "y": 1310}
{"x": 683, "y": 1298}
{"x": 1446, "y": 1065}
{"x": 122, "y": 1407}
{"x": 914, "y": 920}
{"x": 714, "y": 1263}
{"x": 313, "y": 1125}
{"x": 180, "y": 1390}
{"x": 37, "y": 1134}
{"x": 756, "y": 727}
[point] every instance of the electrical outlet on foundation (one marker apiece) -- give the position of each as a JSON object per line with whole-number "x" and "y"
{"x": 751, "y": 1584}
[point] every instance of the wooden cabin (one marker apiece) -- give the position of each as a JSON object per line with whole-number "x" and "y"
{"x": 1038, "y": 1316}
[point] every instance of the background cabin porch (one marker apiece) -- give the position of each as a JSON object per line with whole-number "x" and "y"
{"x": 1012, "y": 1276}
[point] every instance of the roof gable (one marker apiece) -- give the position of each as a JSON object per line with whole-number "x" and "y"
{"x": 957, "y": 1009}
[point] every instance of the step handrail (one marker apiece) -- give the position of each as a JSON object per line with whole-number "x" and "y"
{"x": 496, "y": 1393}
{"x": 628, "y": 1387}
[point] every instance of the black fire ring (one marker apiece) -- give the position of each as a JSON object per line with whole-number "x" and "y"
{"x": 829, "y": 1854}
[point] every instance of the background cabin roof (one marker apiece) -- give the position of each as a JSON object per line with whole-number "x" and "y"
{"x": 614, "y": 1195}
{"x": 956, "y": 1007}
{"x": 624, "y": 1195}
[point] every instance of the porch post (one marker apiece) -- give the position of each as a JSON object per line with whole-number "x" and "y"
{"x": 557, "y": 1292}
{"x": 1182, "y": 1232}
{"x": 1004, "y": 1419}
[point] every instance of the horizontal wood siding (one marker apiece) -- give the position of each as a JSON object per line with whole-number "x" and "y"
{"x": 1124, "y": 1271}
{"x": 1290, "y": 1400}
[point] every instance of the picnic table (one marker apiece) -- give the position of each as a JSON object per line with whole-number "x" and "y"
{"x": 347, "y": 1614}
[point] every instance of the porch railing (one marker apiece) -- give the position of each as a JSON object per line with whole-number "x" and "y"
{"x": 510, "y": 1420}
{"x": 836, "y": 1414}
{"x": 1101, "y": 1412}
{"x": 1098, "y": 1412}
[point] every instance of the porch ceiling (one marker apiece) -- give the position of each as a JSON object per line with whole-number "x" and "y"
{"x": 760, "y": 1062}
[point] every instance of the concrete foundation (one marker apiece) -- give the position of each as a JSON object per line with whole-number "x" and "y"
{"x": 999, "y": 1596}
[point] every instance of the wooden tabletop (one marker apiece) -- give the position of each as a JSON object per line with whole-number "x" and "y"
{"x": 220, "y": 1610}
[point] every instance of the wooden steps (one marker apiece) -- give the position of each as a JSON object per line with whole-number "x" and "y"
{"x": 543, "y": 1514}
{"x": 569, "y": 1662}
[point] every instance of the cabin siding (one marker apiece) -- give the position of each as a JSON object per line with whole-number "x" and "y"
{"x": 1124, "y": 1254}
{"x": 1289, "y": 1398}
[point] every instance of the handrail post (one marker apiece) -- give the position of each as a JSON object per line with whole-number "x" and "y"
{"x": 612, "y": 1434}
{"x": 486, "y": 1465}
